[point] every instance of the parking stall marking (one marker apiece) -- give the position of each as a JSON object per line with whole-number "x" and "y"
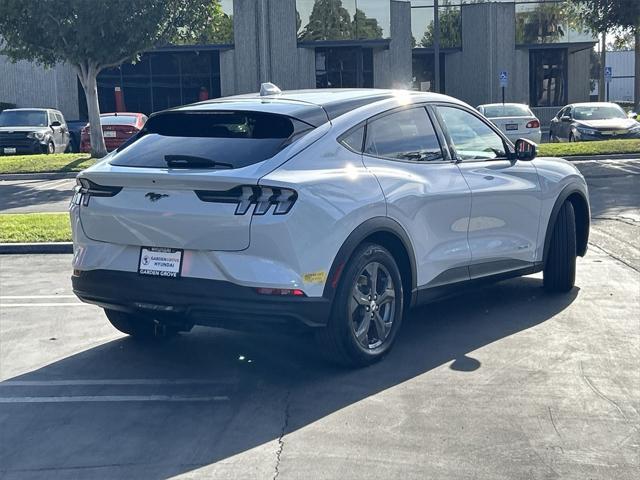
{"x": 114, "y": 398}
{"x": 114, "y": 381}
{"x": 22, "y": 305}
{"x": 35, "y": 301}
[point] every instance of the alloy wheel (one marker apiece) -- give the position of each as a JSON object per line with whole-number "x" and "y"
{"x": 372, "y": 305}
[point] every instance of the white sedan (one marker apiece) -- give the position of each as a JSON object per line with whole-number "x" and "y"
{"x": 516, "y": 120}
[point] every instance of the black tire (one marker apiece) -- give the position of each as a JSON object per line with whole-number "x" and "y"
{"x": 138, "y": 327}
{"x": 560, "y": 267}
{"x": 51, "y": 148}
{"x": 571, "y": 138}
{"x": 338, "y": 341}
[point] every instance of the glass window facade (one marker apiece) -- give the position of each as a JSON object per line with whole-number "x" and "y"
{"x": 161, "y": 80}
{"x": 422, "y": 27}
{"x": 548, "y": 77}
{"x": 344, "y": 67}
{"x": 219, "y": 31}
{"x": 322, "y": 20}
{"x": 547, "y": 22}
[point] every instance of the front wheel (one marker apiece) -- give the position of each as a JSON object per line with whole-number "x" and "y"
{"x": 367, "y": 310}
{"x": 50, "y": 148}
{"x": 560, "y": 267}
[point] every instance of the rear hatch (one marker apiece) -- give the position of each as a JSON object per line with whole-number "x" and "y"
{"x": 185, "y": 181}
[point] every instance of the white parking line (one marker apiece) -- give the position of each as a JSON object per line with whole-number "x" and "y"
{"x": 25, "y": 297}
{"x": 114, "y": 398}
{"x": 22, "y": 305}
{"x": 114, "y": 381}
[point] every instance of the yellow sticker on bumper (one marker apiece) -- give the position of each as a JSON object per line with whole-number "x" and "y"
{"x": 316, "y": 277}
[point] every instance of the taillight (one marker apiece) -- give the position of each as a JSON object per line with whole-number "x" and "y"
{"x": 86, "y": 189}
{"x": 533, "y": 124}
{"x": 245, "y": 196}
{"x": 287, "y": 292}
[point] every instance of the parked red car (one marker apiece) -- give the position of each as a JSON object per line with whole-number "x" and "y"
{"x": 117, "y": 128}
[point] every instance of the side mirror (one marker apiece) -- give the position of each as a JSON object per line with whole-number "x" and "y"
{"x": 565, "y": 118}
{"x": 525, "y": 149}
{"x": 56, "y": 124}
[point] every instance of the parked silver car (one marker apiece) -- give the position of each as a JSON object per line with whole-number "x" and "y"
{"x": 33, "y": 130}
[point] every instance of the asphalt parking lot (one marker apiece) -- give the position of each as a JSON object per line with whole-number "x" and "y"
{"x": 510, "y": 383}
{"x": 36, "y": 194}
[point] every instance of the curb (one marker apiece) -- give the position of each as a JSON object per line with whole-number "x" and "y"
{"x": 44, "y": 247}
{"x": 37, "y": 176}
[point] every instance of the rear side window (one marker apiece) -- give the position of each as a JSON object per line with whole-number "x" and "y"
{"x": 404, "y": 135}
{"x": 222, "y": 139}
{"x": 354, "y": 139}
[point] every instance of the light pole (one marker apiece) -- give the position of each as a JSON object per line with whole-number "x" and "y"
{"x": 436, "y": 45}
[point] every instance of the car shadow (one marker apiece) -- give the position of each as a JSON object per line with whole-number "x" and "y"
{"x": 25, "y": 195}
{"x": 260, "y": 387}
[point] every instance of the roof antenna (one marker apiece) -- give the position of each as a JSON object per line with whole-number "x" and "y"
{"x": 269, "y": 89}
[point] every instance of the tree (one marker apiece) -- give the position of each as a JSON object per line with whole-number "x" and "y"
{"x": 329, "y": 20}
{"x": 545, "y": 23}
{"x": 601, "y": 16}
{"x": 450, "y": 29}
{"x": 95, "y": 35}
{"x": 365, "y": 27}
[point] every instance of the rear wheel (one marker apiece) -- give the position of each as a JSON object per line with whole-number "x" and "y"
{"x": 138, "y": 326}
{"x": 572, "y": 138}
{"x": 560, "y": 267}
{"x": 367, "y": 310}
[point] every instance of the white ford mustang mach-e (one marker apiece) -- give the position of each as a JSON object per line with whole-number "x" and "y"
{"x": 335, "y": 210}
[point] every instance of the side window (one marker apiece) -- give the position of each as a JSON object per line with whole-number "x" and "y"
{"x": 471, "y": 137}
{"x": 405, "y": 135}
{"x": 354, "y": 139}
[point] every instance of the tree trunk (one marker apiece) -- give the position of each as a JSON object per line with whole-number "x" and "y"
{"x": 636, "y": 85}
{"x": 88, "y": 78}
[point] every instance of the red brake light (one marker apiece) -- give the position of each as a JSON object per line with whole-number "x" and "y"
{"x": 295, "y": 292}
{"x": 533, "y": 124}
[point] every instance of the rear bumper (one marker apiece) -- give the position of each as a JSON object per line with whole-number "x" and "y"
{"x": 534, "y": 136}
{"x": 198, "y": 301}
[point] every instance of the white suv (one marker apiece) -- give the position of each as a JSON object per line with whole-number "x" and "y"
{"x": 334, "y": 210}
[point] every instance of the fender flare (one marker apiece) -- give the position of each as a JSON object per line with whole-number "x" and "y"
{"x": 565, "y": 193}
{"x": 355, "y": 238}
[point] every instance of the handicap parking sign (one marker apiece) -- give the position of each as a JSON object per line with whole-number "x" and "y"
{"x": 608, "y": 74}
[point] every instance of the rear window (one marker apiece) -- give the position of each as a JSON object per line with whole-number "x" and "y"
{"x": 224, "y": 139}
{"x": 118, "y": 120}
{"x": 493, "y": 111}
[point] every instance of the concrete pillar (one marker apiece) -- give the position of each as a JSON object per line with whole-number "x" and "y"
{"x": 400, "y": 47}
{"x": 488, "y": 47}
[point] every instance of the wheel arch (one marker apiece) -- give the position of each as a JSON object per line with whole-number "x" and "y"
{"x": 387, "y": 233}
{"x": 581, "y": 208}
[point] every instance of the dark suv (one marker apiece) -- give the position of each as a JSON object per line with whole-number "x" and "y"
{"x": 33, "y": 130}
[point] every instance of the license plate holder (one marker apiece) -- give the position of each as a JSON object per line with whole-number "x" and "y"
{"x": 109, "y": 134}
{"x": 160, "y": 262}
{"x": 511, "y": 126}
{"x": 9, "y": 150}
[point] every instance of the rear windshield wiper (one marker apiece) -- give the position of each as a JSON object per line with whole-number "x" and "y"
{"x": 192, "y": 161}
